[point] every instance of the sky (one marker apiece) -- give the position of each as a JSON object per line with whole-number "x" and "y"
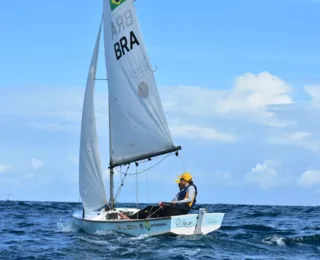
{"x": 239, "y": 82}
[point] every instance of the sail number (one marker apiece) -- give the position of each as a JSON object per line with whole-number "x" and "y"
{"x": 124, "y": 45}
{"x": 120, "y": 24}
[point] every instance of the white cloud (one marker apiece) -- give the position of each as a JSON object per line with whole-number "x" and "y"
{"x": 61, "y": 103}
{"x": 193, "y": 131}
{"x": 61, "y": 108}
{"x": 250, "y": 95}
{"x": 314, "y": 92}
{"x": 265, "y": 175}
{"x": 257, "y": 91}
{"x": 36, "y": 164}
{"x": 309, "y": 178}
{"x": 302, "y": 139}
{"x": 5, "y": 167}
{"x": 249, "y": 98}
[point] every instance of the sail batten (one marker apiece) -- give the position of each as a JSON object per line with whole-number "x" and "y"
{"x": 91, "y": 187}
{"x": 137, "y": 124}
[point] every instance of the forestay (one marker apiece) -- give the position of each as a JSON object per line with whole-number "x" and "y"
{"x": 91, "y": 185}
{"x": 138, "y": 127}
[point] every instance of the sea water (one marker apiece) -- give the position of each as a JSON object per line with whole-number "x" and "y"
{"x": 45, "y": 230}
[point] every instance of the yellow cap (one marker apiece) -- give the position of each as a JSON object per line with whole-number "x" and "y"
{"x": 186, "y": 176}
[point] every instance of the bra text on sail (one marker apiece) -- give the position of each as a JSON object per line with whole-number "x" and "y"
{"x": 120, "y": 25}
{"x": 123, "y": 45}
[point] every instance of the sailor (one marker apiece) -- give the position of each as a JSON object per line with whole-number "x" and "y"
{"x": 188, "y": 194}
{"x": 180, "y": 205}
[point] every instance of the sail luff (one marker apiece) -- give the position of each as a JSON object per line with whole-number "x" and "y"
{"x": 91, "y": 187}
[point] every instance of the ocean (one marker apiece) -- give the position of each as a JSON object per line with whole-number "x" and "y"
{"x": 44, "y": 230}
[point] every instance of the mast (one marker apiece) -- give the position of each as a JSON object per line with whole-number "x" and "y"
{"x": 111, "y": 203}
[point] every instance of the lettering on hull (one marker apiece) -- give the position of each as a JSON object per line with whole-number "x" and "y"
{"x": 212, "y": 221}
{"x": 184, "y": 223}
{"x": 127, "y": 227}
{"x": 148, "y": 226}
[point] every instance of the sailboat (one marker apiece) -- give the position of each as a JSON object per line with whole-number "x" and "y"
{"x": 9, "y": 195}
{"x": 138, "y": 131}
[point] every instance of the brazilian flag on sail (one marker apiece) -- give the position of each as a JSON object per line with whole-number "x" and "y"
{"x": 115, "y": 3}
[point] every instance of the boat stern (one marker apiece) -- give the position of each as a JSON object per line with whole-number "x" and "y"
{"x": 208, "y": 222}
{"x": 202, "y": 223}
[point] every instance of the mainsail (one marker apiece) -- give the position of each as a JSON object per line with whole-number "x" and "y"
{"x": 137, "y": 125}
{"x": 92, "y": 190}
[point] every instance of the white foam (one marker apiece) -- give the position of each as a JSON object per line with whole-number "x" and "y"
{"x": 104, "y": 232}
{"x": 275, "y": 239}
{"x": 66, "y": 227}
{"x": 141, "y": 237}
{"x": 99, "y": 242}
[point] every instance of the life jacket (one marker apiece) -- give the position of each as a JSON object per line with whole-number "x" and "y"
{"x": 183, "y": 194}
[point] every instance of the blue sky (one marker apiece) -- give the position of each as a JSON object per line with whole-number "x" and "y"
{"x": 240, "y": 86}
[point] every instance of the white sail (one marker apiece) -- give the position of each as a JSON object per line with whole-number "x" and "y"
{"x": 91, "y": 185}
{"x": 138, "y": 127}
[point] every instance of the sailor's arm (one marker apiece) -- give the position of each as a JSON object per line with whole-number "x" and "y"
{"x": 175, "y": 199}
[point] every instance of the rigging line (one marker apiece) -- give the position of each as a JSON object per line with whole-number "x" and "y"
{"x": 150, "y": 215}
{"x": 182, "y": 164}
{"x": 122, "y": 182}
{"x": 148, "y": 192}
{"x": 137, "y": 187}
{"x": 147, "y": 168}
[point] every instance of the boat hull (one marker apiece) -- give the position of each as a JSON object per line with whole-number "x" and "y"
{"x": 189, "y": 224}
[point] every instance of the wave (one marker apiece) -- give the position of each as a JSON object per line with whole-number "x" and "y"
{"x": 14, "y": 231}
{"x": 95, "y": 241}
{"x": 252, "y": 227}
{"x": 311, "y": 209}
{"x": 264, "y": 214}
{"x": 311, "y": 240}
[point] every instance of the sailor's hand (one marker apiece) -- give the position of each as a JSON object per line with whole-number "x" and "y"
{"x": 160, "y": 204}
{"x": 174, "y": 202}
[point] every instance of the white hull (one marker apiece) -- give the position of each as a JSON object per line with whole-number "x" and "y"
{"x": 189, "y": 224}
